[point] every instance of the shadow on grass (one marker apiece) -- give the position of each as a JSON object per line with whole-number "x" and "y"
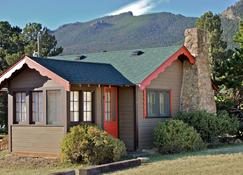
{"x": 227, "y": 149}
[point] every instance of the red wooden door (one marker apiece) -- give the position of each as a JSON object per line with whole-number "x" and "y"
{"x": 110, "y": 111}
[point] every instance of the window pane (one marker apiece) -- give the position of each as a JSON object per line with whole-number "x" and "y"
{"x": 71, "y": 96}
{"x": 20, "y": 111}
{"x": 76, "y": 106}
{"x": 84, "y": 116}
{"x": 87, "y": 116}
{"x": 84, "y": 96}
{"x": 18, "y": 107}
{"x": 18, "y": 97}
{"x": 23, "y": 95}
{"x": 17, "y": 117}
{"x": 71, "y": 116}
{"x": 76, "y": 116}
{"x": 87, "y": 106}
{"x": 161, "y": 104}
{"x": 76, "y": 96}
{"x": 71, "y": 106}
{"x": 37, "y": 113}
{"x": 84, "y": 106}
{"x": 151, "y": 103}
{"x": 88, "y": 96}
{"x": 167, "y": 103}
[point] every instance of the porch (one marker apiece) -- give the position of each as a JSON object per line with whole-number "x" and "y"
{"x": 40, "y": 117}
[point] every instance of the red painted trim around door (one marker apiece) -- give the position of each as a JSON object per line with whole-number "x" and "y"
{"x": 111, "y": 126}
{"x": 182, "y": 51}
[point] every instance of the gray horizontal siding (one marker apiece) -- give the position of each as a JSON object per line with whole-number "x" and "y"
{"x": 37, "y": 139}
{"x": 126, "y": 116}
{"x": 170, "y": 79}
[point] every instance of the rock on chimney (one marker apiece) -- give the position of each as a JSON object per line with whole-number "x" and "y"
{"x": 197, "y": 92}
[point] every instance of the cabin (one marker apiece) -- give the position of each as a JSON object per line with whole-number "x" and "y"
{"x": 126, "y": 93}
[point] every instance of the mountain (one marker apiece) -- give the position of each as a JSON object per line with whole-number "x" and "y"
{"x": 123, "y": 31}
{"x": 126, "y": 31}
{"x": 230, "y": 21}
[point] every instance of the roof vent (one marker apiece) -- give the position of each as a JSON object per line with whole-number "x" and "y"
{"x": 82, "y": 57}
{"x": 137, "y": 53}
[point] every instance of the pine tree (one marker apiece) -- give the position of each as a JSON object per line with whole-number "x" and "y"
{"x": 217, "y": 47}
{"x": 47, "y": 41}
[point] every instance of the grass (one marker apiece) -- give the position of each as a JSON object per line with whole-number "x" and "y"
{"x": 13, "y": 165}
{"x": 223, "y": 160}
{"x": 217, "y": 165}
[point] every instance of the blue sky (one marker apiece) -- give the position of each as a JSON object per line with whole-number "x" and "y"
{"x": 53, "y": 13}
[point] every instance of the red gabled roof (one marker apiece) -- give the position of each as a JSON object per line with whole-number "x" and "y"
{"x": 182, "y": 51}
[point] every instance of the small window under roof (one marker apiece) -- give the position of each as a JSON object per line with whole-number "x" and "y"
{"x": 82, "y": 57}
{"x": 137, "y": 53}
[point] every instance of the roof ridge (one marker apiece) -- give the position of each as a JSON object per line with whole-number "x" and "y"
{"x": 65, "y": 60}
{"x": 114, "y": 51}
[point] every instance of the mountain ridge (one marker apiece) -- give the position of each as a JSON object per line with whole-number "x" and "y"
{"x": 125, "y": 31}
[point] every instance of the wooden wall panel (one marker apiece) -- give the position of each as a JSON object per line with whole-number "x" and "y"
{"x": 126, "y": 116}
{"x": 37, "y": 139}
{"x": 170, "y": 79}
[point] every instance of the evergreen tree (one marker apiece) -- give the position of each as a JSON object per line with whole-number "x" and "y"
{"x": 239, "y": 35}
{"x": 47, "y": 42}
{"x": 13, "y": 43}
{"x": 217, "y": 47}
{"x": 231, "y": 96}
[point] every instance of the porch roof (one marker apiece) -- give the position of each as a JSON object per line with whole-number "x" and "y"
{"x": 76, "y": 72}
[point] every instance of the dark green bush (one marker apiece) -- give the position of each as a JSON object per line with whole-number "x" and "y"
{"x": 228, "y": 124}
{"x": 210, "y": 126}
{"x": 88, "y": 144}
{"x": 174, "y": 136}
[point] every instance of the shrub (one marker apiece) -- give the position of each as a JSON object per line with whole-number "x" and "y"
{"x": 228, "y": 124}
{"x": 208, "y": 125}
{"x": 174, "y": 136}
{"x": 89, "y": 144}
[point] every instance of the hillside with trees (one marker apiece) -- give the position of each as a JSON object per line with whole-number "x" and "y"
{"x": 126, "y": 31}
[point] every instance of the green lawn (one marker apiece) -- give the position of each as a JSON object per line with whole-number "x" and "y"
{"x": 223, "y": 160}
{"x": 220, "y": 161}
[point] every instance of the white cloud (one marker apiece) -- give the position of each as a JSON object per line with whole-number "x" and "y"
{"x": 138, "y": 7}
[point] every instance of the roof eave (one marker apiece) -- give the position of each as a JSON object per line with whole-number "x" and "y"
{"x": 38, "y": 67}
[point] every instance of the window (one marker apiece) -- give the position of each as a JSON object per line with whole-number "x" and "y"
{"x": 20, "y": 98}
{"x": 54, "y": 107}
{"x": 37, "y": 107}
{"x": 87, "y": 106}
{"x": 108, "y": 105}
{"x": 74, "y": 106}
{"x": 158, "y": 103}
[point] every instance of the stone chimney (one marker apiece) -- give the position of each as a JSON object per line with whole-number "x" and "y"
{"x": 197, "y": 92}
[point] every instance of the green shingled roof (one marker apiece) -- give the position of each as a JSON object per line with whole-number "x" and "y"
{"x": 134, "y": 67}
{"x": 77, "y": 72}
